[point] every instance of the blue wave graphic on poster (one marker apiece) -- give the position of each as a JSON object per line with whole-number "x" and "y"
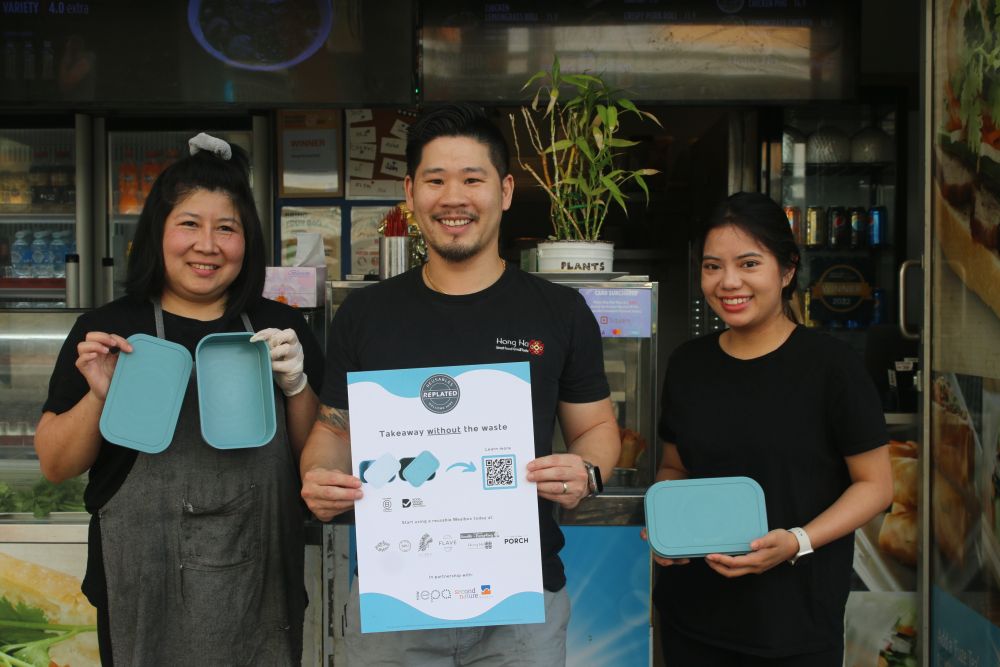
{"x": 406, "y": 382}
{"x": 382, "y": 613}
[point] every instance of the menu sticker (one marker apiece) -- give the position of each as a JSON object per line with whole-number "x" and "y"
{"x": 621, "y": 312}
{"x": 363, "y": 135}
{"x": 358, "y": 116}
{"x": 360, "y": 169}
{"x": 399, "y": 129}
{"x": 391, "y": 167}
{"x": 362, "y": 152}
{"x": 393, "y": 146}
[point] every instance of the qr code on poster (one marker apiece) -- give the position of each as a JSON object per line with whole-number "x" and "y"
{"x": 498, "y": 472}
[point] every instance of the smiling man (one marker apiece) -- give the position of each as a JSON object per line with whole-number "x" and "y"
{"x": 466, "y": 306}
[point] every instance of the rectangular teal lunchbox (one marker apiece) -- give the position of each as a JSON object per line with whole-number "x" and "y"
{"x": 691, "y": 518}
{"x": 235, "y": 391}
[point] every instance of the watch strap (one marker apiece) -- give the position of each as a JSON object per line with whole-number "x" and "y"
{"x": 805, "y": 544}
{"x": 593, "y": 478}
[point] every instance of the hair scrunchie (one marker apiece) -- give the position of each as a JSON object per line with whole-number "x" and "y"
{"x": 214, "y": 145}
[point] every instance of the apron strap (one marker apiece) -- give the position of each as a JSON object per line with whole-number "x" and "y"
{"x": 158, "y": 316}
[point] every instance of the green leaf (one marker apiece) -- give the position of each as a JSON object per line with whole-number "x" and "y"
{"x": 553, "y": 98}
{"x": 534, "y": 77}
{"x": 584, "y": 148}
{"x": 21, "y": 613}
{"x": 34, "y": 654}
{"x": 560, "y": 145}
{"x": 642, "y": 184}
{"x": 598, "y": 138}
{"x": 621, "y": 143}
{"x": 612, "y": 121}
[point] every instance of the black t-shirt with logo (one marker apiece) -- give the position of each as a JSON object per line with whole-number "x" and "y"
{"x": 401, "y": 323}
{"x": 787, "y": 420}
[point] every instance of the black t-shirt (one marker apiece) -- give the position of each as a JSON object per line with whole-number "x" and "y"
{"x": 787, "y": 420}
{"x": 400, "y": 323}
{"x": 127, "y": 316}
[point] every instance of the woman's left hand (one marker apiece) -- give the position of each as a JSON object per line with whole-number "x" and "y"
{"x": 287, "y": 359}
{"x": 772, "y": 549}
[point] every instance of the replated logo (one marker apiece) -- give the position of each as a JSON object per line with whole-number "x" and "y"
{"x": 440, "y": 393}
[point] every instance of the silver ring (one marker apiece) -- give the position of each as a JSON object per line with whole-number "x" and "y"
{"x": 565, "y": 488}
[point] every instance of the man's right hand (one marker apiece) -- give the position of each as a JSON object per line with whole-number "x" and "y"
{"x": 330, "y": 492}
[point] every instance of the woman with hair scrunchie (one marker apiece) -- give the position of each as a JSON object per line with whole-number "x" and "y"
{"x": 194, "y": 553}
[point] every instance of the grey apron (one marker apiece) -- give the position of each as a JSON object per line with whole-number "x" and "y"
{"x": 203, "y": 551}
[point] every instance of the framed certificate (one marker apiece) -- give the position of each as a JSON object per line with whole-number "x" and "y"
{"x": 310, "y": 153}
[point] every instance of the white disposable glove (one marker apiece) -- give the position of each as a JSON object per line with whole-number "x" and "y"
{"x": 287, "y": 358}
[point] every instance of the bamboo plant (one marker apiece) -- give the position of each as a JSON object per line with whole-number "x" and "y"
{"x": 576, "y": 140}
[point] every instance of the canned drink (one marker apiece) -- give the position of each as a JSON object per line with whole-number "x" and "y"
{"x": 880, "y": 309}
{"x": 838, "y": 231}
{"x": 877, "y": 222}
{"x": 815, "y": 230}
{"x": 858, "y": 227}
{"x": 794, "y": 215}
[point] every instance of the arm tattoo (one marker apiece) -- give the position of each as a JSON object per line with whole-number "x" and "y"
{"x": 337, "y": 420}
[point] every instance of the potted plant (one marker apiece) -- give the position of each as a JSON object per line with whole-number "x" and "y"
{"x": 572, "y": 126}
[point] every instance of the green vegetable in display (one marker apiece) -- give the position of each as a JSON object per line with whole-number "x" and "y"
{"x": 44, "y": 498}
{"x": 26, "y": 635}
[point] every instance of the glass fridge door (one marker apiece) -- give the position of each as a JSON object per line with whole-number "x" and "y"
{"x": 838, "y": 187}
{"x": 37, "y": 215}
{"x": 29, "y": 344}
{"x": 135, "y": 160}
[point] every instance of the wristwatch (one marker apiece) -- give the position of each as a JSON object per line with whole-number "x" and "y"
{"x": 805, "y": 546}
{"x": 593, "y": 479}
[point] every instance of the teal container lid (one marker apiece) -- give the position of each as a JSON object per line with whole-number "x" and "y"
{"x": 690, "y": 518}
{"x": 235, "y": 391}
{"x": 146, "y": 394}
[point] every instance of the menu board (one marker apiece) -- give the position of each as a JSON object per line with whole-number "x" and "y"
{"x": 376, "y": 152}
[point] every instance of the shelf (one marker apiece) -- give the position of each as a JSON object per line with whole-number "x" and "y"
{"x": 28, "y": 288}
{"x": 125, "y": 219}
{"x": 902, "y": 418}
{"x": 32, "y": 217}
{"x": 828, "y": 168}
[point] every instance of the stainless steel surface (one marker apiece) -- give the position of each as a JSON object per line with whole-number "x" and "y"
{"x": 689, "y": 50}
{"x": 84, "y": 200}
{"x": 903, "y": 269}
{"x": 30, "y": 341}
{"x": 100, "y": 241}
{"x": 393, "y": 255}
{"x": 263, "y": 186}
{"x": 69, "y": 528}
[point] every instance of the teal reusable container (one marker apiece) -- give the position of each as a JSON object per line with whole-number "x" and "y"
{"x": 235, "y": 391}
{"x": 146, "y": 393}
{"x": 691, "y": 518}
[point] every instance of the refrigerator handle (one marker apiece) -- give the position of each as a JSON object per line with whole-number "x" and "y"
{"x": 903, "y": 269}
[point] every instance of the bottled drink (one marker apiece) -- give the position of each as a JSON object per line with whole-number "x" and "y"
{"x": 20, "y": 255}
{"x": 877, "y": 221}
{"x": 815, "y": 231}
{"x": 151, "y": 168}
{"x": 41, "y": 257}
{"x": 58, "y": 250}
{"x": 838, "y": 228}
{"x": 794, "y": 215}
{"x": 859, "y": 227}
{"x": 129, "y": 194}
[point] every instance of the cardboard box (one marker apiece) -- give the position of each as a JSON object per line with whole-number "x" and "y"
{"x": 298, "y": 286}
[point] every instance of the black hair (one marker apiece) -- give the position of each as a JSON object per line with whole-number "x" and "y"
{"x": 146, "y": 275}
{"x": 759, "y": 216}
{"x": 456, "y": 120}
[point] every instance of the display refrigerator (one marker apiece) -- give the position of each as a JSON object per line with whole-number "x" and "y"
{"x": 607, "y": 564}
{"x": 43, "y": 216}
{"x": 72, "y": 186}
{"x": 841, "y": 172}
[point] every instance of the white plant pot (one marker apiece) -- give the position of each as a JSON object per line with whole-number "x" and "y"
{"x": 576, "y": 256}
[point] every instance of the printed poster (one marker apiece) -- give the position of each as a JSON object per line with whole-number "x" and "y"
{"x": 447, "y": 530}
